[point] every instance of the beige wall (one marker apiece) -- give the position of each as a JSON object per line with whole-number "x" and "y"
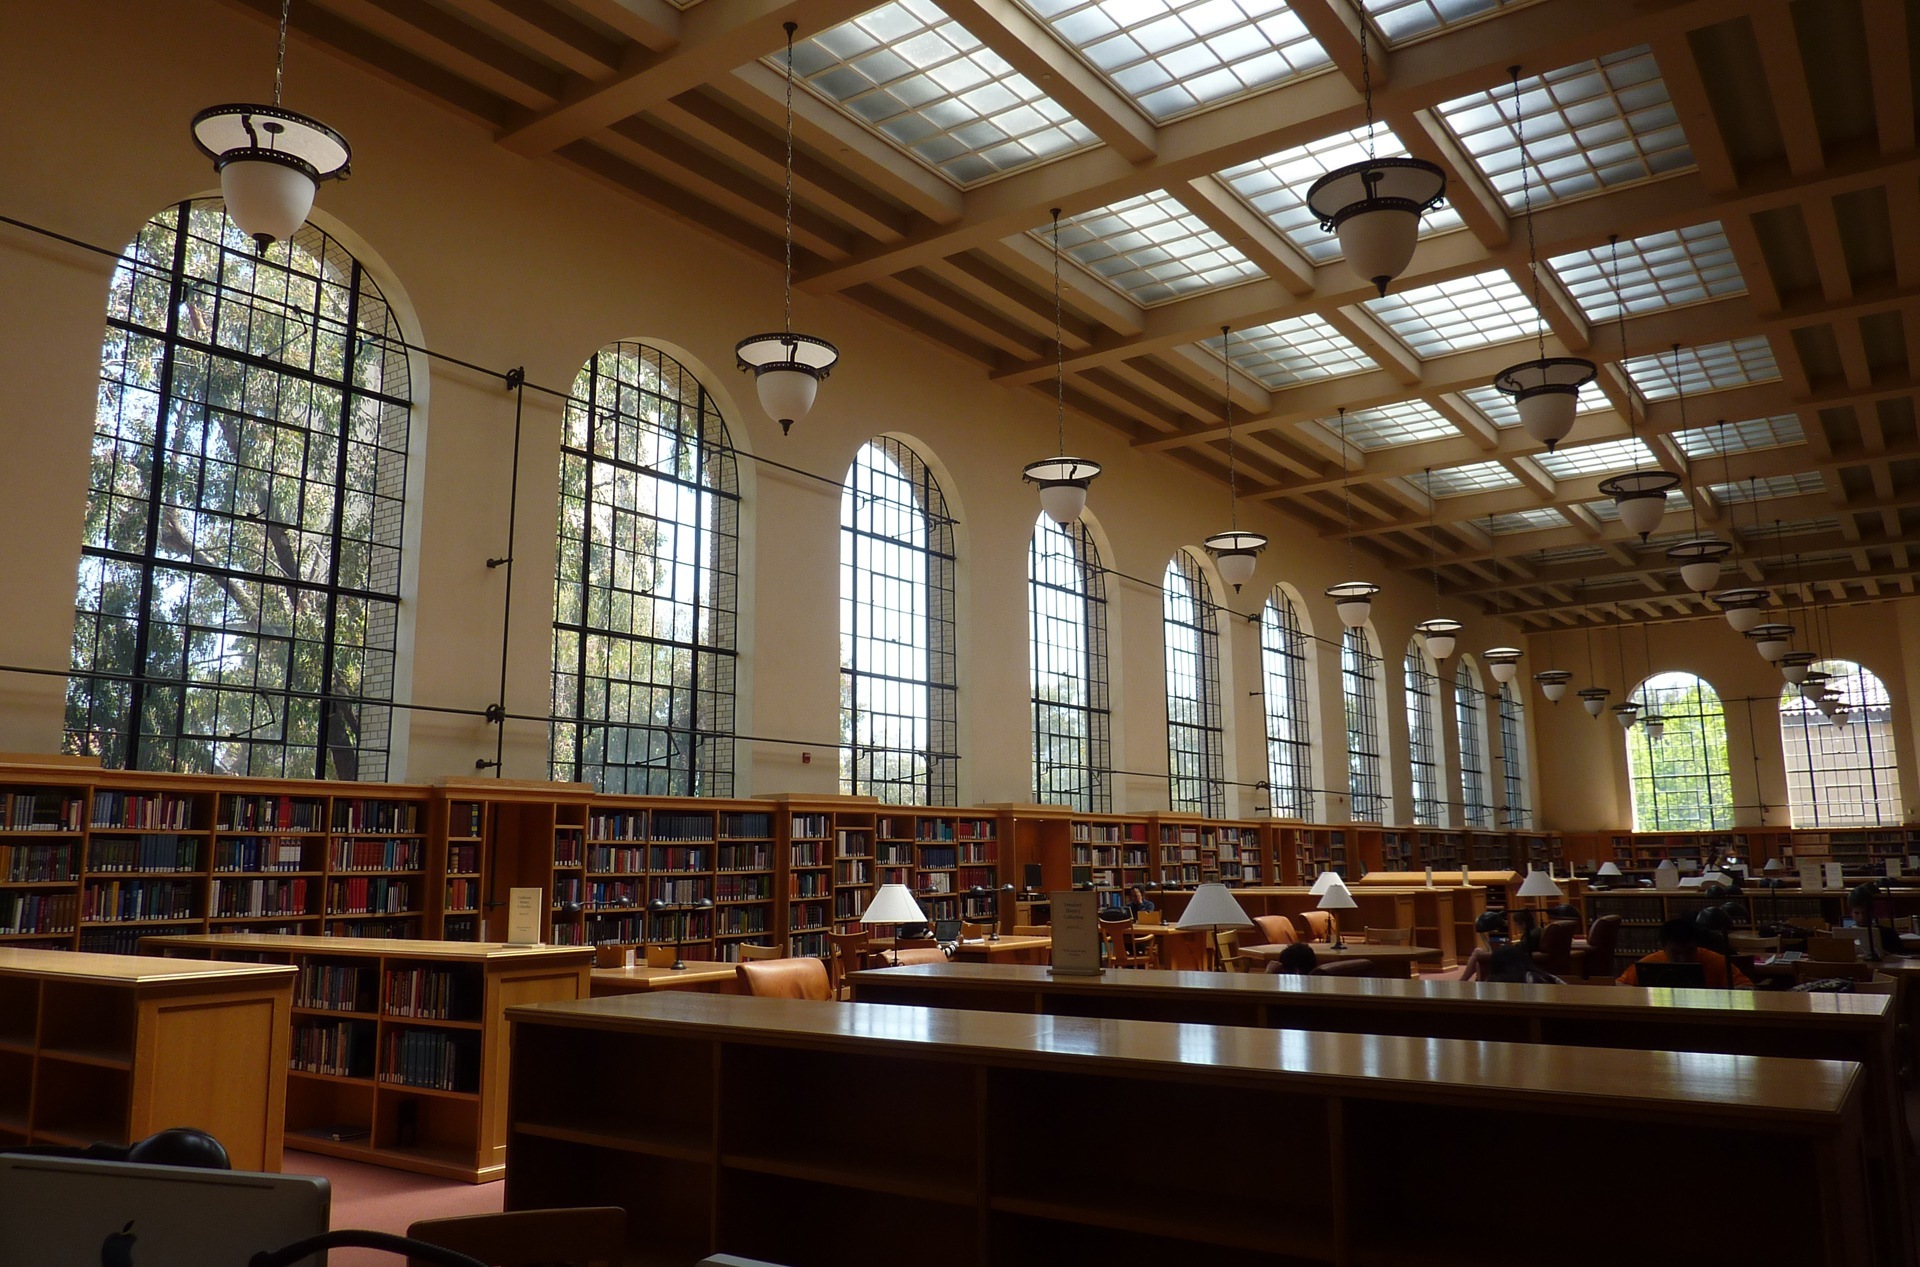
{"x": 505, "y": 262}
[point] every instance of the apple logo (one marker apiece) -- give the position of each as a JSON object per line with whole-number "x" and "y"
{"x": 117, "y": 1249}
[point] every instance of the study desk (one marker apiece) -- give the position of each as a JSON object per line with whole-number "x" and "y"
{"x": 1010, "y": 949}
{"x": 1395, "y": 959}
{"x": 768, "y": 1137}
{"x": 1441, "y": 917}
{"x": 705, "y": 978}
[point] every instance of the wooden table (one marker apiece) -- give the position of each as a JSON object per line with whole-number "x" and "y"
{"x": 769, "y": 1135}
{"x": 1397, "y": 959}
{"x": 1021, "y": 949}
{"x": 704, "y": 978}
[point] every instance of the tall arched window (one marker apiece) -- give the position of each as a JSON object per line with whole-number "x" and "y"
{"x": 1423, "y": 738}
{"x": 1680, "y": 781}
{"x": 1360, "y": 689}
{"x": 1846, "y": 774}
{"x": 1196, "y": 740}
{"x": 1283, "y": 662}
{"x": 1469, "y": 716}
{"x": 897, "y": 661}
{"x": 1067, "y": 620}
{"x": 239, "y": 594}
{"x": 1513, "y": 756}
{"x": 645, "y": 584}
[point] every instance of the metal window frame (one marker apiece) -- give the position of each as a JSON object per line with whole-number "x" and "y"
{"x": 1283, "y": 661}
{"x": 1196, "y": 761}
{"x": 1423, "y": 740}
{"x": 1075, "y": 770}
{"x": 1806, "y": 805}
{"x": 1673, "y": 802}
{"x": 1469, "y": 714}
{"x": 1360, "y": 692}
{"x": 1513, "y": 757}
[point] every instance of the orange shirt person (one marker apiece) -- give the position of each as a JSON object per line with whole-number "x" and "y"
{"x": 1680, "y": 943}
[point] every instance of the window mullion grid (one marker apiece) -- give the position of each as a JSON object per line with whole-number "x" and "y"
{"x": 337, "y": 528}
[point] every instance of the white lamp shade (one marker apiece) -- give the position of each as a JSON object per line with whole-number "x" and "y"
{"x": 1337, "y": 898}
{"x": 1772, "y": 648}
{"x": 1379, "y": 244}
{"x": 1626, "y": 715}
{"x": 1353, "y": 612}
{"x": 1326, "y": 880}
{"x": 269, "y": 201}
{"x": 1699, "y": 577}
{"x": 1666, "y": 864}
{"x": 1593, "y": 705}
{"x": 1503, "y": 670}
{"x": 1642, "y": 513}
{"x": 1609, "y": 867}
{"x": 1440, "y": 646}
{"x": 893, "y": 904}
{"x": 1744, "y": 618}
{"x": 1656, "y": 727}
{"x": 1794, "y": 673}
{"x": 1548, "y": 416}
{"x": 786, "y": 394}
{"x": 1538, "y": 884}
{"x": 1063, "y": 502}
{"x": 1773, "y": 864}
{"x": 1555, "y": 689}
{"x": 1502, "y": 662}
{"x": 1236, "y": 569}
{"x": 1213, "y": 906}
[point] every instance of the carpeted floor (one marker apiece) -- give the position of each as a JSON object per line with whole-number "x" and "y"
{"x": 383, "y": 1200}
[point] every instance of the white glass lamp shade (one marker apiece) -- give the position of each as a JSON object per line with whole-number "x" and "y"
{"x": 1745, "y": 608}
{"x": 1539, "y": 884}
{"x": 893, "y": 904}
{"x": 1626, "y": 714}
{"x": 1546, "y": 393}
{"x": 1063, "y": 485}
{"x": 1553, "y": 683}
{"x": 1213, "y": 906}
{"x": 1235, "y": 553}
{"x": 1773, "y": 864}
{"x": 1374, "y": 208}
{"x": 1440, "y": 634}
{"x": 1700, "y": 575}
{"x": 1609, "y": 868}
{"x": 1771, "y": 640}
{"x": 1353, "y": 600}
{"x": 1795, "y": 665}
{"x": 1699, "y": 561}
{"x": 1502, "y": 662}
{"x": 1656, "y": 725}
{"x": 1839, "y": 714}
{"x": 1326, "y": 880}
{"x": 1641, "y": 498}
{"x": 271, "y": 161}
{"x": 1813, "y": 685}
{"x": 787, "y": 369}
{"x": 1594, "y": 699}
{"x": 1337, "y": 898}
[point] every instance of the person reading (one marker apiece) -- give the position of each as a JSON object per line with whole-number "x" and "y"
{"x": 1882, "y": 940}
{"x": 1137, "y": 900}
{"x": 1680, "y": 943}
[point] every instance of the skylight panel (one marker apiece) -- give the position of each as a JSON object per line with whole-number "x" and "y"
{"x": 1741, "y": 437}
{"x": 1801, "y": 527}
{"x": 1661, "y": 270}
{"x": 1540, "y": 517}
{"x": 1595, "y": 459}
{"x": 1404, "y": 422}
{"x": 1151, "y": 249}
{"x": 1293, "y": 350}
{"x": 1399, "y": 21}
{"x": 1589, "y": 127}
{"x": 920, "y": 79}
{"x": 1276, "y": 187}
{"x": 1710, "y": 368}
{"x": 1770, "y": 486}
{"x": 1573, "y": 554}
{"x": 1174, "y": 56}
{"x": 1477, "y": 477}
{"x": 1498, "y": 407}
{"x": 1451, "y": 316}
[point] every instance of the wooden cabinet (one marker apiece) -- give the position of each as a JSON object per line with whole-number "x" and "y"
{"x": 111, "y": 1048}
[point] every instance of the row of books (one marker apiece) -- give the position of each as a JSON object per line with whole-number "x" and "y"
{"x": 984, "y": 851}
{"x": 45, "y": 811}
{"x": 675, "y": 927}
{"x": 466, "y": 818}
{"x": 462, "y": 895}
{"x": 566, "y": 891}
{"x": 808, "y": 827}
{"x": 939, "y": 856}
{"x": 366, "y": 928}
{"x": 143, "y": 853}
{"x": 614, "y": 860}
{"x": 111, "y": 941}
{"x": 440, "y": 994}
{"x": 25, "y": 913}
{"x": 806, "y": 915}
{"x": 464, "y": 859}
{"x": 625, "y": 825}
{"x": 807, "y": 853}
{"x": 259, "y": 853}
{"x": 607, "y": 929}
{"x": 243, "y": 899}
{"x": 335, "y": 987}
{"x": 743, "y": 888}
{"x": 160, "y": 810}
{"x": 430, "y": 1058}
{"x": 130, "y": 901}
{"x": 36, "y": 864}
{"x": 854, "y": 844}
{"x": 853, "y": 872}
{"x": 568, "y": 849}
{"x": 608, "y": 894}
{"x": 1112, "y": 833}
{"x": 734, "y": 920}
{"x": 270, "y": 813}
{"x": 809, "y": 884}
{"x": 680, "y": 826}
{"x": 369, "y": 895}
{"x": 900, "y": 855}
{"x": 376, "y": 855}
{"x": 368, "y": 815}
{"x": 755, "y": 857}
{"x": 680, "y": 892}
{"x": 661, "y": 858}
{"x": 339, "y": 1048}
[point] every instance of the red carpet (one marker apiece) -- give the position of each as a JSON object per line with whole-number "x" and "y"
{"x": 383, "y": 1200}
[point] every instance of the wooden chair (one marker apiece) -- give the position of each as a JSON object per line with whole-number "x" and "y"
{"x": 1150, "y": 917}
{"x": 752, "y": 954}
{"x": 920, "y": 954}
{"x": 1319, "y": 925}
{"x": 1033, "y": 930}
{"x": 1878, "y": 985}
{"x": 1555, "y": 953}
{"x": 1390, "y": 936}
{"x": 1277, "y": 930}
{"x": 1602, "y": 936}
{"x": 804, "y": 978}
{"x": 1833, "y": 949}
{"x": 662, "y": 956}
{"x": 1123, "y": 948}
{"x": 846, "y": 952}
{"x": 1807, "y": 923}
{"x": 1748, "y": 944}
{"x": 590, "y": 1236}
{"x": 915, "y": 943}
{"x": 1231, "y": 960}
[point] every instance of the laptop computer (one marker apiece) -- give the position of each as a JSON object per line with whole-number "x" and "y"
{"x": 946, "y": 930}
{"x": 1671, "y": 975}
{"x": 66, "y": 1212}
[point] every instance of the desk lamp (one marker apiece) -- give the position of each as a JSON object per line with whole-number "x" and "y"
{"x": 894, "y": 905}
{"x": 1611, "y": 870}
{"x": 1325, "y": 881}
{"x": 1540, "y": 884}
{"x": 1334, "y": 900}
{"x": 1213, "y": 908}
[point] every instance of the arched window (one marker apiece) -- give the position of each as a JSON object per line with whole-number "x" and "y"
{"x": 1513, "y": 756}
{"x": 1067, "y": 619}
{"x": 897, "y": 683}
{"x": 1841, "y": 775}
{"x": 239, "y": 594}
{"x": 645, "y": 584}
{"x": 1423, "y": 740}
{"x": 1196, "y": 741}
{"x": 1283, "y": 662}
{"x": 1680, "y": 781}
{"x": 1469, "y": 716}
{"x": 1360, "y": 688}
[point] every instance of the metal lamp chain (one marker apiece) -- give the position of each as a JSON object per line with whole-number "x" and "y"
{"x": 787, "y": 288}
{"x": 1366, "y": 78}
{"x": 1059, "y": 344}
{"x": 1526, "y": 206}
{"x": 1346, "y": 489}
{"x": 1433, "y": 541}
{"x": 1620, "y": 312}
{"x": 1226, "y": 395}
{"x": 280, "y": 61}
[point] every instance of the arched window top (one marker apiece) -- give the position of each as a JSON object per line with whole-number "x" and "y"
{"x": 1196, "y": 742}
{"x": 1423, "y": 739}
{"x": 238, "y": 602}
{"x": 1681, "y": 781}
{"x": 1067, "y": 622}
{"x": 1286, "y": 654}
{"x": 1842, "y": 767}
{"x": 897, "y": 659}
{"x": 645, "y": 586}
{"x": 1360, "y": 688}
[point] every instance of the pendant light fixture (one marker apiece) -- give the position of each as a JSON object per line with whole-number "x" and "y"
{"x": 1374, "y": 207}
{"x": 1502, "y": 662}
{"x": 1650, "y": 717}
{"x": 1640, "y": 496}
{"x": 1745, "y": 607}
{"x": 1593, "y": 697}
{"x": 787, "y": 367}
{"x": 1775, "y": 638}
{"x": 271, "y": 161}
{"x": 1553, "y": 682}
{"x": 1063, "y": 480}
{"x": 1546, "y": 390}
{"x": 1233, "y": 551}
{"x": 1352, "y": 599}
{"x": 1699, "y": 558}
{"x": 1439, "y": 633}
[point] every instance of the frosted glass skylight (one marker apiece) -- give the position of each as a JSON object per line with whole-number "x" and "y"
{"x": 1499, "y": 409}
{"x": 1661, "y": 270}
{"x": 1711, "y": 367}
{"x": 1276, "y": 187}
{"x": 1740, "y": 437}
{"x": 1151, "y": 249}
{"x": 1800, "y": 527}
{"x": 1589, "y": 127}
{"x": 1401, "y": 20}
{"x": 1404, "y": 422}
{"x": 1451, "y": 316}
{"x": 1573, "y": 554}
{"x": 1526, "y": 521}
{"x": 1173, "y": 56}
{"x": 920, "y": 79}
{"x": 1477, "y": 477}
{"x": 1595, "y": 459}
{"x": 1770, "y": 486}
{"x": 1292, "y": 350}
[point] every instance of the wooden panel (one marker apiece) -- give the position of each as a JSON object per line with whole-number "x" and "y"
{"x": 219, "y": 1065}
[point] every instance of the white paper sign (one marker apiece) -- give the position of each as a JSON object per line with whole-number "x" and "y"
{"x": 523, "y": 917}
{"x": 1835, "y": 876}
{"x": 1810, "y": 877}
{"x": 1076, "y": 933}
{"x": 1666, "y": 878}
{"x": 1893, "y": 868}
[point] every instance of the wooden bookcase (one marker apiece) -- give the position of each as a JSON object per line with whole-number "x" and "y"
{"x": 111, "y": 1048}
{"x": 399, "y": 1047}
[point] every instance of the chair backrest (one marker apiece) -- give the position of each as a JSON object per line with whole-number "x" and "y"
{"x": 1150, "y": 917}
{"x": 1033, "y": 930}
{"x": 1319, "y": 925}
{"x": 1390, "y": 936}
{"x": 1833, "y": 949}
{"x": 1879, "y": 985}
{"x": 786, "y": 979}
{"x": 751, "y": 953}
{"x": 662, "y": 956}
{"x": 589, "y": 1236}
{"x": 1555, "y": 952}
{"x": 846, "y": 953}
{"x": 1231, "y": 960}
{"x": 1273, "y": 930}
{"x": 1811, "y": 924}
{"x": 1602, "y": 936}
{"x": 921, "y": 954}
{"x": 1350, "y": 968}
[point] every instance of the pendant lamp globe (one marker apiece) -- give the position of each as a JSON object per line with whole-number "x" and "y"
{"x": 1234, "y": 551}
{"x": 1639, "y": 495}
{"x": 1700, "y": 561}
{"x": 270, "y": 159}
{"x": 1439, "y": 635}
{"x": 1062, "y": 480}
{"x": 1655, "y": 724}
{"x": 787, "y": 367}
{"x": 1553, "y": 683}
{"x": 1594, "y": 699}
{"x": 1502, "y": 662}
{"x": 1353, "y": 600}
{"x": 1744, "y": 608}
{"x": 1771, "y": 640}
{"x": 1795, "y": 665}
{"x": 1626, "y": 714}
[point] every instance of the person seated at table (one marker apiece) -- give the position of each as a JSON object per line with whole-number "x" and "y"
{"x": 1680, "y": 943}
{"x": 1297, "y": 960}
{"x": 1492, "y": 927}
{"x": 1514, "y": 965}
{"x": 1137, "y": 900}
{"x": 1715, "y": 925}
{"x": 1566, "y": 910}
{"x": 1860, "y": 902}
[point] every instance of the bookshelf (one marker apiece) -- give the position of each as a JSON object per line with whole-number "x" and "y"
{"x": 743, "y": 904}
{"x": 809, "y": 844}
{"x": 614, "y": 873}
{"x": 1186, "y": 852}
{"x": 854, "y": 869}
{"x": 460, "y": 840}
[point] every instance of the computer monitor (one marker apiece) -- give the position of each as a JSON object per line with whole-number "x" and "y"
{"x": 1031, "y": 874}
{"x": 65, "y": 1212}
{"x": 1862, "y": 938}
{"x": 1671, "y": 975}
